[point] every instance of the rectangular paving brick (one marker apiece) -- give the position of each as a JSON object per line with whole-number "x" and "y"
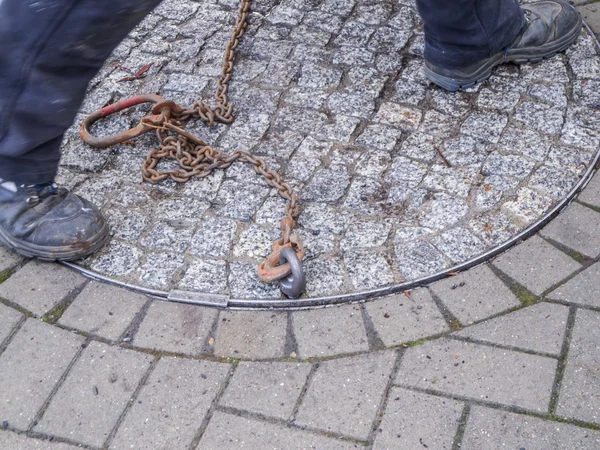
{"x": 228, "y": 432}
{"x": 175, "y": 327}
{"x": 251, "y": 334}
{"x": 14, "y": 441}
{"x": 582, "y": 289}
{"x": 480, "y": 372}
{"x": 345, "y": 394}
{"x": 493, "y": 429}
{"x": 172, "y": 404}
{"x": 539, "y": 328}
{"x": 475, "y": 294}
{"x": 416, "y": 420}
{"x": 8, "y": 320}
{"x": 30, "y": 367}
{"x": 8, "y": 258}
{"x": 330, "y": 331}
{"x": 39, "y": 286}
{"x": 103, "y": 310}
{"x": 591, "y": 193}
{"x": 271, "y": 389}
{"x": 399, "y": 319}
{"x": 536, "y": 264}
{"x": 97, "y": 390}
{"x": 579, "y": 396}
{"x": 577, "y": 227}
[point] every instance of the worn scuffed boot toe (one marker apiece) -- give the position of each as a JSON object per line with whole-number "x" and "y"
{"x": 552, "y": 26}
{"x": 47, "y": 222}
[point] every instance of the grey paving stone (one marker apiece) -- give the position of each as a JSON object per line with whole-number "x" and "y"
{"x": 175, "y": 327}
{"x": 171, "y": 405}
{"x": 591, "y": 14}
{"x": 583, "y": 289}
{"x": 536, "y": 264}
{"x": 103, "y": 309}
{"x": 578, "y": 396}
{"x": 331, "y": 331}
{"x": 475, "y": 294}
{"x": 8, "y": 259}
{"x": 94, "y": 394}
{"x": 8, "y": 319}
{"x": 228, "y": 432}
{"x": 492, "y": 429}
{"x": 480, "y": 372}
{"x": 591, "y": 193}
{"x": 271, "y": 389}
{"x": 39, "y": 286}
{"x": 399, "y": 319}
{"x": 30, "y": 367}
{"x": 540, "y": 328}
{"x": 416, "y": 420}
{"x": 14, "y": 441}
{"x": 578, "y": 228}
{"x": 342, "y": 398}
{"x": 251, "y": 334}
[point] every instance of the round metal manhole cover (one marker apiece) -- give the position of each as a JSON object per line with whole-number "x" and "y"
{"x": 398, "y": 180}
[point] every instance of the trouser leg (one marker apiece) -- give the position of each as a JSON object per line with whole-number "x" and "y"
{"x": 459, "y": 33}
{"x": 50, "y": 50}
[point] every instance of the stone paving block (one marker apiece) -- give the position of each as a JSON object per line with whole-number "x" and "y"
{"x": 416, "y": 420}
{"x": 8, "y": 319}
{"x": 579, "y": 394}
{"x": 228, "y": 432}
{"x": 39, "y": 286}
{"x": 172, "y": 404}
{"x": 591, "y": 14}
{"x": 14, "y": 441}
{"x": 97, "y": 390}
{"x": 475, "y": 294}
{"x": 399, "y": 319}
{"x": 30, "y": 367}
{"x": 578, "y": 228}
{"x": 540, "y": 328}
{"x": 345, "y": 393}
{"x": 582, "y": 289}
{"x": 8, "y": 259}
{"x": 492, "y": 429}
{"x": 480, "y": 372}
{"x": 251, "y": 334}
{"x": 591, "y": 193}
{"x": 103, "y": 310}
{"x": 175, "y": 327}
{"x": 331, "y": 331}
{"x": 536, "y": 265}
{"x": 271, "y": 389}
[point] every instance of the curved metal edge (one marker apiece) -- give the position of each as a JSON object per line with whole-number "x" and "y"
{"x": 319, "y": 302}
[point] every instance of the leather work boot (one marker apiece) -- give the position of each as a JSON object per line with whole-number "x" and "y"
{"x": 552, "y": 26}
{"x": 49, "y": 223}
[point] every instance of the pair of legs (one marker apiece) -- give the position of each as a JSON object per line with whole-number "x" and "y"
{"x": 53, "y": 48}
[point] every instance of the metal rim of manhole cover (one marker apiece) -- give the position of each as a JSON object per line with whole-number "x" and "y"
{"x": 401, "y": 183}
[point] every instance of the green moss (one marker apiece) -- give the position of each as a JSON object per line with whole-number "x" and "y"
{"x": 589, "y": 426}
{"x": 526, "y": 297}
{"x": 417, "y": 342}
{"x": 55, "y": 314}
{"x": 6, "y": 274}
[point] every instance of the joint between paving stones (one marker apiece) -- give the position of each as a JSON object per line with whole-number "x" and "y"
{"x": 307, "y": 383}
{"x": 462, "y": 426}
{"x": 131, "y": 330}
{"x": 375, "y": 342}
{"x": 500, "y": 346}
{"x": 525, "y": 296}
{"x": 213, "y": 407}
{"x": 208, "y": 348}
{"x": 52, "y": 316}
{"x": 451, "y": 320}
{"x": 13, "y": 333}
{"x": 290, "y": 347}
{"x": 582, "y": 259}
{"x": 51, "y": 438}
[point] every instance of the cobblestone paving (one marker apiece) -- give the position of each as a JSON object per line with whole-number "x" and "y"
{"x": 486, "y": 359}
{"x": 398, "y": 179}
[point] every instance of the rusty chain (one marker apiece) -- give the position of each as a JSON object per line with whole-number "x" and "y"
{"x": 196, "y": 158}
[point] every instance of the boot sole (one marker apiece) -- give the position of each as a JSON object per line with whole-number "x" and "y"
{"x": 517, "y": 56}
{"x": 29, "y": 250}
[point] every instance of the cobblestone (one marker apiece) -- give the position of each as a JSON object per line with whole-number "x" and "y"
{"x": 480, "y": 372}
{"x": 271, "y": 389}
{"x": 30, "y": 367}
{"x": 341, "y": 399}
{"x": 94, "y": 394}
{"x": 176, "y": 392}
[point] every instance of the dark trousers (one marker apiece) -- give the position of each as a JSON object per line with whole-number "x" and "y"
{"x": 51, "y": 49}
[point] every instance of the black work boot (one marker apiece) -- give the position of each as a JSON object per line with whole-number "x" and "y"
{"x": 552, "y": 26}
{"x": 48, "y": 222}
